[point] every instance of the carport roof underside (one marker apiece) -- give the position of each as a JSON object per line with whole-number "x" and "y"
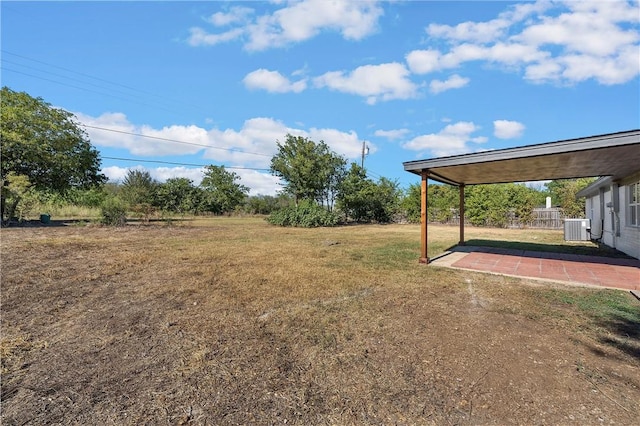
{"x": 615, "y": 154}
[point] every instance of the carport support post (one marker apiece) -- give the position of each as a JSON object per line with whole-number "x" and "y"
{"x": 423, "y": 218}
{"x": 461, "y": 190}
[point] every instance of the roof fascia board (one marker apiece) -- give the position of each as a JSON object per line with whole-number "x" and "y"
{"x": 439, "y": 178}
{"x": 549, "y": 148}
{"x": 594, "y": 187}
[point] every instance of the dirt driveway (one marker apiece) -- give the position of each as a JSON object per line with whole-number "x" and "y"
{"x": 243, "y": 323}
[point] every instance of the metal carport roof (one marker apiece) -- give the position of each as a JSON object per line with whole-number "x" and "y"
{"x": 615, "y": 154}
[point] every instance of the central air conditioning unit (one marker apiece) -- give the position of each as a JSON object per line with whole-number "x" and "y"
{"x": 577, "y": 229}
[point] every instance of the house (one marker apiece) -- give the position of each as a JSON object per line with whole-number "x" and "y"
{"x": 613, "y": 206}
{"x": 615, "y": 157}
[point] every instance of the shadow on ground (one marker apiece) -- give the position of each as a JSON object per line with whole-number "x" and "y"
{"x": 81, "y": 222}
{"x": 622, "y": 333}
{"x": 600, "y": 250}
{"x": 40, "y": 224}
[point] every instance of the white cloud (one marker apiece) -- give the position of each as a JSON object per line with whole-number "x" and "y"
{"x": 161, "y": 174}
{"x": 543, "y": 70}
{"x": 115, "y": 173}
{"x": 303, "y": 20}
{"x": 453, "y": 82}
{"x": 588, "y": 28}
{"x": 505, "y": 129}
{"x": 237, "y": 14}
{"x": 259, "y": 183}
{"x": 505, "y": 53}
{"x": 452, "y": 140}
{"x": 524, "y": 10}
{"x": 485, "y": 32}
{"x": 254, "y": 144}
{"x": 293, "y": 22}
{"x": 514, "y": 53}
{"x": 463, "y": 53}
{"x": 392, "y": 134}
{"x": 423, "y": 61}
{"x": 375, "y": 82}
{"x": 559, "y": 42}
{"x": 347, "y": 144}
{"x": 272, "y": 81}
{"x": 251, "y": 146}
{"x": 124, "y": 134}
{"x": 479, "y": 32}
{"x": 200, "y": 37}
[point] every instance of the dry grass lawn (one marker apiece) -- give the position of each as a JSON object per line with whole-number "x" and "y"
{"x": 233, "y": 321}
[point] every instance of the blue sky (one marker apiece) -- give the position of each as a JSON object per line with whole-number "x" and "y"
{"x": 221, "y": 82}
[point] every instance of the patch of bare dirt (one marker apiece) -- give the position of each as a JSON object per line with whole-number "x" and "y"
{"x": 260, "y": 325}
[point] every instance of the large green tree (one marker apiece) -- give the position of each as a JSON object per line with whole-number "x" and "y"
{"x": 222, "y": 192}
{"x": 522, "y": 200}
{"x": 266, "y": 204}
{"x": 45, "y": 144}
{"x": 443, "y": 202}
{"x": 179, "y": 195}
{"x": 364, "y": 200}
{"x": 352, "y": 199}
{"x": 563, "y": 192}
{"x": 310, "y": 170}
{"x": 411, "y": 202}
{"x": 332, "y": 173}
{"x": 138, "y": 187}
{"x": 486, "y": 205}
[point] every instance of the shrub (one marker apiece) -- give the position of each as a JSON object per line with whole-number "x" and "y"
{"x": 113, "y": 212}
{"x": 307, "y": 214}
{"x": 144, "y": 211}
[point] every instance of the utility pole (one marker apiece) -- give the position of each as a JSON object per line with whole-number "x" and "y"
{"x": 365, "y": 151}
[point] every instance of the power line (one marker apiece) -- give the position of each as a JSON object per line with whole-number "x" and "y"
{"x": 185, "y": 164}
{"x": 364, "y": 148}
{"x": 180, "y": 164}
{"x": 174, "y": 140}
{"x": 64, "y": 77}
{"x": 371, "y": 174}
{"x": 84, "y": 88}
{"x": 112, "y": 95}
{"x": 71, "y": 71}
{"x": 95, "y": 78}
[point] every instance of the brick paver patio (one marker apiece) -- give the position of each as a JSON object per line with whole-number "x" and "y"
{"x": 568, "y": 268}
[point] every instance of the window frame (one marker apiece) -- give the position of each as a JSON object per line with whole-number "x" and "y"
{"x": 633, "y": 205}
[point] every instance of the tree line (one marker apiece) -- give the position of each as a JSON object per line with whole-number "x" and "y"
{"x": 47, "y": 159}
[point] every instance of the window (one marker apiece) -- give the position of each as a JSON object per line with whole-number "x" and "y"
{"x": 634, "y": 204}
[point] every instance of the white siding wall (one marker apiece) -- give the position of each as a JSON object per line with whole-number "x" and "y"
{"x": 628, "y": 240}
{"x": 593, "y": 213}
{"x": 608, "y": 235}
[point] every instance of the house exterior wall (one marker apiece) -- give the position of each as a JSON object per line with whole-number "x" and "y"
{"x": 595, "y": 215}
{"x": 629, "y": 240}
{"x": 607, "y": 206}
{"x": 608, "y": 236}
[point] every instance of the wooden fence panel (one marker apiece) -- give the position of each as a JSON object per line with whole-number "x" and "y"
{"x": 542, "y": 219}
